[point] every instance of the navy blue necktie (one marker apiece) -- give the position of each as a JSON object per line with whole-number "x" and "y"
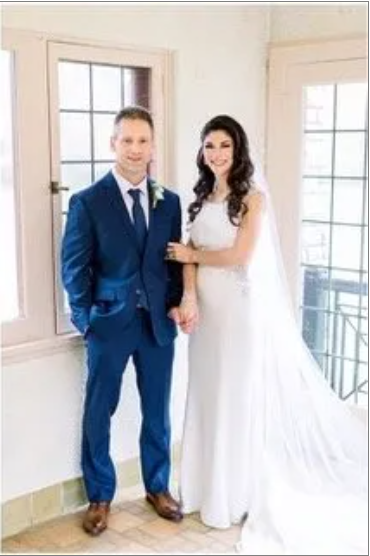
{"x": 138, "y": 218}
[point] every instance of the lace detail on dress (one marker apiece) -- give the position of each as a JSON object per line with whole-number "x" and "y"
{"x": 241, "y": 277}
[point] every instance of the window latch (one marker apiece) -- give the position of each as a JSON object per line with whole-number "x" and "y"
{"x": 56, "y": 188}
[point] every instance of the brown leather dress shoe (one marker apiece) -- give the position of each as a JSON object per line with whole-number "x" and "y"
{"x": 96, "y": 518}
{"x": 165, "y": 505}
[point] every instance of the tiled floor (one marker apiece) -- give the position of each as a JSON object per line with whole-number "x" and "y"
{"x": 134, "y": 528}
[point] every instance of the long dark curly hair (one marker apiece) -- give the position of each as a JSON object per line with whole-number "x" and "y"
{"x": 240, "y": 176}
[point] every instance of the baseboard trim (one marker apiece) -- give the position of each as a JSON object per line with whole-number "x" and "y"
{"x": 67, "y": 497}
{"x": 57, "y": 500}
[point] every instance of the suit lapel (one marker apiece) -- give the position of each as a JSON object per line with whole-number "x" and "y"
{"x": 153, "y": 214}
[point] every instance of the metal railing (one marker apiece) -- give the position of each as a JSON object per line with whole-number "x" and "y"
{"x": 335, "y": 330}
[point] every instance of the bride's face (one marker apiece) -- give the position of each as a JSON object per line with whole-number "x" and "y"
{"x": 218, "y": 152}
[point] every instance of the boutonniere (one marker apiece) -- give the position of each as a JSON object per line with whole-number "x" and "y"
{"x": 157, "y": 193}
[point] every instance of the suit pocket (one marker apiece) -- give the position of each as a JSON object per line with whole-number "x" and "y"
{"x": 106, "y": 309}
{"x": 109, "y": 318}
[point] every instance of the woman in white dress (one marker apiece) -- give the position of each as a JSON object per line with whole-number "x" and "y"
{"x": 266, "y": 441}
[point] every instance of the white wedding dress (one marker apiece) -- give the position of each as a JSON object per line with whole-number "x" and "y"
{"x": 264, "y": 435}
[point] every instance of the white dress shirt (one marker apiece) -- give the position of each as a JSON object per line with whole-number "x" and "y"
{"x": 125, "y": 185}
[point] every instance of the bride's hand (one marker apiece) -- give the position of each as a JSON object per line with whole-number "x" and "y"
{"x": 180, "y": 253}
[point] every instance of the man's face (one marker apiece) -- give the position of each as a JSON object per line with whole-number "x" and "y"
{"x": 133, "y": 146}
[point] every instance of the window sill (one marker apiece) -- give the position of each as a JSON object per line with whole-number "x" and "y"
{"x": 42, "y": 348}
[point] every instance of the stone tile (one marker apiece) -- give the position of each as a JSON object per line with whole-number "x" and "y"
{"x": 73, "y": 494}
{"x": 145, "y": 513}
{"x": 160, "y": 528}
{"x": 124, "y": 520}
{"x": 34, "y": 538}
{"x": 193, "y": 522}
{"x": 12, "y": 545}
{"x": 217, "y": 547}
{"x": 177, "y": 545}
{"x": 141, "y": 537}
{"x": 46, "y": 504}
{"x": 16, "y": 515}
{"x": 134, "y": 548}
{"x": 228, "y": 536}
{"x": 201, "y": 539}
{"x": 134, "y": 528}
{"x": 65, "y": 533}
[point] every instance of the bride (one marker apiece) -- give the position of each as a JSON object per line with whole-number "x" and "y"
{"x": 266, "y": 442}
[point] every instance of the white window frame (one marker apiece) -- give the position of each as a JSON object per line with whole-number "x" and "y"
{"x": 32, "y": 175}
{"x": 37, "y": 332}
{"x": 290, "y": 68}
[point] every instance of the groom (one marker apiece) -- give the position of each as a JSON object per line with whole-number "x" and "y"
{"x": 124, "y": 298}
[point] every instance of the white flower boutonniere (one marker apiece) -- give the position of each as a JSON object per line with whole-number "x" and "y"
{"x": 157, "y": 193}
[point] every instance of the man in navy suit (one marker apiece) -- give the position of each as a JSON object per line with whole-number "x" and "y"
{"x": 124, "y": 297}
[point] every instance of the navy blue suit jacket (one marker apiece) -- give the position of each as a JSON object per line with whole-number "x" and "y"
{"x": 102, "y": 268}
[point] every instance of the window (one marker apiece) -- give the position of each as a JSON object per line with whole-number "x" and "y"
{"x": 88, "y": 87}
{"x": 52, "y": 150}
{"x": 317, "y": 141}
{"x": 334, "y": 232}
{"x": 27, "y": 273}
{"x": 10, "y": 302}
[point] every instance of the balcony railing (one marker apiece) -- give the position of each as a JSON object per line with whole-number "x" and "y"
{"x": 334, "y": 326}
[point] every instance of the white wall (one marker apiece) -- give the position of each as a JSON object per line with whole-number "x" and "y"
{"x": 219, "y": 66}
{"x": 297, "y": 22}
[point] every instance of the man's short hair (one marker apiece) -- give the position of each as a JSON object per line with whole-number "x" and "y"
{"x": 134, "y": 113}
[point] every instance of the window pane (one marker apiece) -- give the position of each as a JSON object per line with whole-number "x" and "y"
{"x": 348, "y": 201}
{"x": 318, "y": 154}
{"x": 346, "y": 247}
{"x": 107, "y": 87}
{"x": 315, "y": 284}
{"x": 365, "y": 254}
{"x": 128, "y": 80}
{"x": 137, "y": 86}
{"x": 76, "y": 177}
{"x": 349, "y": 154}
{"x": 316, "y": 201}
{"x": 334, "y": 307}
{"x": 364, "y": 336}
{"x": 9, "y": 275}
{"x": 74, "y": 90}
{"x": 315, "y": 244}
{"x": 315, "y": 330}
{"x": 345, "y": 288}
{"x": 75, "y": 138}
{"x": 365, "y": 286}
{"x": 101, "y": 169}
{"x": 351, "y": 106}
{"x": 319, "y": 107}
{"x": 103, "y": 128}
